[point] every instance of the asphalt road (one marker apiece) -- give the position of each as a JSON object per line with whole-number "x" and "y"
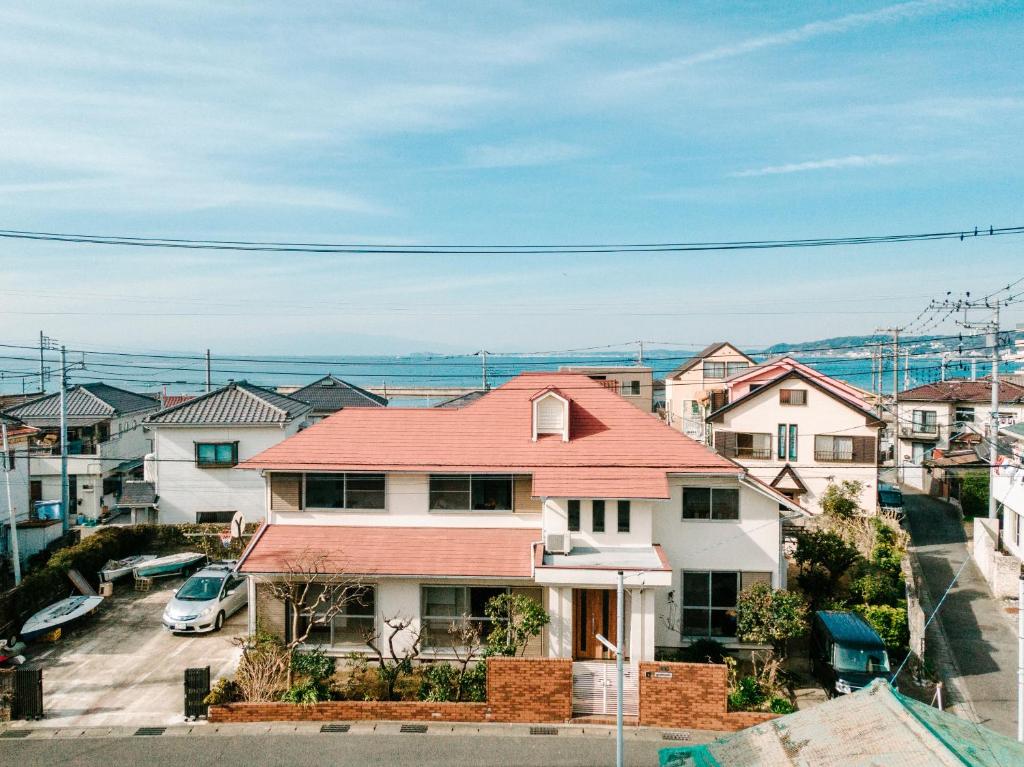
{"x": 981, "y": 636}
{"x": 317, "y": 750}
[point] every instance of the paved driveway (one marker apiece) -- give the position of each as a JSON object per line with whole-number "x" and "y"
{"x": 123, "y": 667}
{"x": 980, "y": 634}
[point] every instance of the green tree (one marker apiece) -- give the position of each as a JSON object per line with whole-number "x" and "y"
{"x": 974, "y": 494}
{"x": 890, "y": 623}
{"x": 770, "y": 616}
{"x": 823, "y": 548}
{"x": 842, "y": 501}
{"x": 517, "y": 619}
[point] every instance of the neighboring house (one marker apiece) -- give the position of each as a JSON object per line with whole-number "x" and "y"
{"x": 546, "y": 486}
{"x": 799, "y": 431}
{"x": 197, "y": 443}
{"x": 633, "y": 383}
{"x": 933, "y": 415}
{"x": 329, "y": 394}
{"x": 1008, "y": 488}
{"x": 697, "y": 387}
{"x": 105, "y": 441}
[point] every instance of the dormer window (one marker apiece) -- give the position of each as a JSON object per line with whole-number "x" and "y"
{"x": 550, "y": 414}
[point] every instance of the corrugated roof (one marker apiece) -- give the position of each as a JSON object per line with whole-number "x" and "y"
{"x": 89, "y": 400}
{"x": 964, "y": 391}
{"x": 416, "y": 551}
{"x": 612, "y": 443}
{"x": 330, "y": 394}
{"x": 234, "y": 404}
{"x": 873, "y": 726}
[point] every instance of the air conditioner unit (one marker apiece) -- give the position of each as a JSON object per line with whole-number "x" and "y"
{"x": 906, "y": 431}
{"x": 557, "y": 543}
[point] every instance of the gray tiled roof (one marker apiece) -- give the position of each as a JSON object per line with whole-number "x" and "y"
{"x": 137, "y": 494}
{"x": 330, "y": 394}
{"x": 236, "y": 403}
{"x": 89, "y": 400}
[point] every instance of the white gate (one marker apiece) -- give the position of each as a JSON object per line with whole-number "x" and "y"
{"x": 594, "y": 690}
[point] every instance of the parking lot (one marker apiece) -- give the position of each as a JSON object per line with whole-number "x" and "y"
{"x": 122, "y": 667}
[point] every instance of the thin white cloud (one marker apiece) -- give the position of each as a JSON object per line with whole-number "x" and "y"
{"x": 887, "y": 15}
{"x": 831, "y": 163}
{"x": 523, "y": 154}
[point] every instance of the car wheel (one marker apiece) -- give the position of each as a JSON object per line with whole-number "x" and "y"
{"x": 219, "y": 622}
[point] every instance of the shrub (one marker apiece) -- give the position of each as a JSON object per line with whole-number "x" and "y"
{"x": 440, "y": 682}
{"x": 315, "y": 665}
{"x": 770, "y": 616}
{"x": 748, "y": 695}
{"x": 702, "y": 651}
{"x": 842, "y": 501}
{"x": 890, "y": 623}
{"x": 307, "y": 693}
{"x": 517, "y": 619}
{"x": 823, "y": 548}
{"x": 224, "y": 691}
{"x": 816, "y": 584}
{"x": 878, "y": 587}
{"x": 974, "y": 494}
{"x": 780, "y": 705}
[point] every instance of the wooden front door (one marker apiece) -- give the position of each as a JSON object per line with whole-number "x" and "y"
{"x": 593, "y": 612}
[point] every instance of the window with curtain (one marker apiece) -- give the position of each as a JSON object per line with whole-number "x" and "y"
{"x": 831, "y": 448}
{"x": 792, "y": 442}
{"x": 216, "y": 454}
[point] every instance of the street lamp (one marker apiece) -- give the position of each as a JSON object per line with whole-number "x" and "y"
{"x": 619, "y": 669}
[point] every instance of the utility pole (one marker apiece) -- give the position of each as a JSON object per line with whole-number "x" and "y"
{"x": 993, "y": 445}
{"x": 64, "y": 490}
{"x": 640, "y": 356}
{"x": 15, "y": 554}
{"x": 42, "y": 370}
{"x": 482, "y": 354}
{"x": 208, "y": 384}
{"x": 906, "y": 370}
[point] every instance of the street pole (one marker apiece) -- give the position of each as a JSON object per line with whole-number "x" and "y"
{"x": 209, "y": 388}
{"x": 42, "y": 370}
{"x": 15, "y": 555}
{"x": 640, "y": 356}
{"x": 64, "y": 492}
{"x": 619, "y": 669}
{"x": 993, "y": 445}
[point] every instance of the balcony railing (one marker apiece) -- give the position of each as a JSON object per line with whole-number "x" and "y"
{"x": 761, "y": 453}
{"x": 830, "y": 456}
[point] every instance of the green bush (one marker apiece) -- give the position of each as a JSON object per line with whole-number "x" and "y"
{"x": 842, "y": 501}
{"x": 315, "y": 665}
{"x": 779, "y": 705}
{"x": 440, "y": 682}
{"x": 878, "y": 587}
{"x": 890, "y": 623}
{"x": 703, "y": 651}
{"x": 974, "y": 494}
{"x": 749, "y": 695}
{"x": 770, "y": 616}
{"x": 307, "y": 693}
{"x": 224, "y": 691}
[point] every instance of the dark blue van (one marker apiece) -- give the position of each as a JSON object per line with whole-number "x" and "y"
{"x": 846, "y": 653}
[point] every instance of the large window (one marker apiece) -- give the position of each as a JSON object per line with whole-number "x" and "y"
{"x": 623, "y": 520}
{"x": 349, "y": 627}
{"x": 714, "y": 370}
{"x": 710, "y": 598}
{"x": 926, "y": 422}
{"x": 964, "y": 414}
{"x": 216, "y": 454}
{"x": 711, "y": 503}
{"x": 345, "y": 491}
{"x": 732, "y": 368}
{"x": 445, "y": 605}
{"x": 597, "y": 516}
{"x": 574, "y": 516}
{"x": 465, "y": 492}
{"x": 792, "y": 396}
{"x": 829, "y": 448}
{"x": 753, "y": 445}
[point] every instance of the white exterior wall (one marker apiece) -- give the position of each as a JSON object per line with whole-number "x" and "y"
{"x": 407, "y": 504}
{"x": 19, "y": 481}
{"x": 185, "y": 488}
{"x": 1008, "y": 488}
{"x": 556, "y": 520}
{"x": 945, "y": 417}
{"x": 751, "y": 543}
{"x": 682, "y": 391}
{"x": 820, "y": 416}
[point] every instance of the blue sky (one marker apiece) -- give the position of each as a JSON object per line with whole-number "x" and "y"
{"x": 393, "y": 122}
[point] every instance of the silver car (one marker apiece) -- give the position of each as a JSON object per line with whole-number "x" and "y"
{"x": 206, "y": 599}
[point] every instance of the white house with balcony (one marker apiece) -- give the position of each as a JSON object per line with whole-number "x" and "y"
{"x": 698, "y": 387}
{"x": 548, "y": 485}
{"x": 931, "y": 416}
{"x": 196, "y": 446}
{"x": 105, "y": 440}
{"x": 799, "y": 431}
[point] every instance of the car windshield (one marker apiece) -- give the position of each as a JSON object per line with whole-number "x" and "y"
{"x": 863, "y": 660}
{"x": 890, "y": 498}
{"x": 200, "y": 588}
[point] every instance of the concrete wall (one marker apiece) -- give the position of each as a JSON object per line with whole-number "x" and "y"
{"x": 1001, "y": 571}
{"x": 751, "y": 543}
{"x": 822, "y": 415}
{"x": 1008, "y": 487}
{"x": 185, "y": 488}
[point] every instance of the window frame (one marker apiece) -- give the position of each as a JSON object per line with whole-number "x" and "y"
{"x": 710, "y": 608}
{"x": 962, "y": 410}
{"x": 216, "y": 464}
{"x": 754, "y": 452}
{"x": 831, "y": 455}
{"x": 786, "y": 397}
{"x": 572, "y": 515}
{"x": 470, "y": 491}
{"x": 482, "y": 620}
{"x": 780, "y": 449}
{"x": 793, "y": 443}
{"x": 713, "y": 365}
{"x": 711, "y": 504}
{"x": 732, "y": 368}
{"x": 623, "y": 514}
{"x": 925, "y": 421}
{"x": 218, "y": 517}
{"x": 372, "y": 587}
{"x": 594, "y": 507}
{"x": 344, "y": 477}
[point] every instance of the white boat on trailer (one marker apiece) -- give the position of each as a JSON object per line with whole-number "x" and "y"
{"x": 169, "y": 565}
{"x": 57, "y": 615}
{"x": 116, "y": 568}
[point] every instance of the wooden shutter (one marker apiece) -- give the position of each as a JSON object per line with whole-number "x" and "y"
{"x": 285, "y": 492}
{"x": 864, "y": 450}
{"x": 725, "y": 442}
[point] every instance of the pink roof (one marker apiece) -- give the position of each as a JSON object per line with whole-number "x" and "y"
{"x": 773, "y": 369}
{"x": 414, "y": 551}
{"x": 615, "y": 450}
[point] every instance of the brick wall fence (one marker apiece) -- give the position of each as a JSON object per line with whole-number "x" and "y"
{"x": 690, "y": 695}
{"x": 518, "y": 690}
{"x": 536, "y": 690}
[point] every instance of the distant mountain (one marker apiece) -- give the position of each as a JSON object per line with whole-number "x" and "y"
{"x": 841, "y": 344}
